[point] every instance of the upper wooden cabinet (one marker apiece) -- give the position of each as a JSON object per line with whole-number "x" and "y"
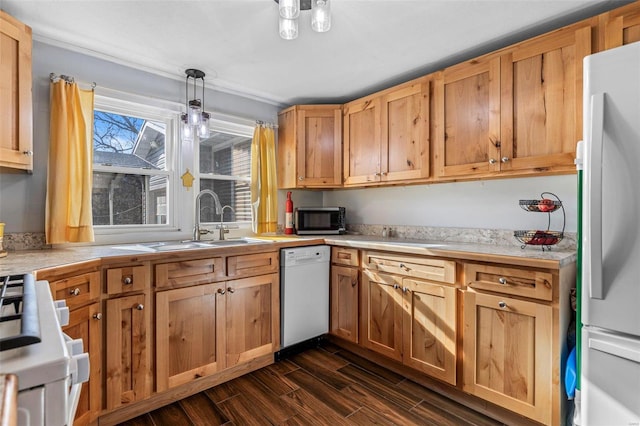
{"x": 310, "y": 146}
{"x": 620, "y": 26}
{"x": 517, "y": 111}
{"x": 15, "y": 94}
{"x": 386, "y": 135}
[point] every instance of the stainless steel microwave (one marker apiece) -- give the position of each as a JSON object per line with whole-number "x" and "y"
{"x": 320, "y": 220}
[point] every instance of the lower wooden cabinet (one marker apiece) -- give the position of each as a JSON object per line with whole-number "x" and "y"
{"x": 344, "y": 288}
{"x": 188, "y": 335}
{"x": 412, "y": 321}
{"x": 128, "y": 367}
{"x": 85, "y": 324}
{"x": 508, "y": 353}
{"x": 252, "y": 319}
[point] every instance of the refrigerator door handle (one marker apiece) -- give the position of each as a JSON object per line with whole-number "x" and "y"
{"x": 613, "y": 349}
{"x": 594, "y": 212}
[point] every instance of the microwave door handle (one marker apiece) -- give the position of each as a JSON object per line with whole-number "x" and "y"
{"x": 594, "y": 210}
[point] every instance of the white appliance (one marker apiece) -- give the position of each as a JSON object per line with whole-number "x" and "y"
{"x": 610, "y": 367}
{"x": 304, "y": 293}
{"x": 50, "y": 366}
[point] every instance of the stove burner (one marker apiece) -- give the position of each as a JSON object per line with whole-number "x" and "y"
{"x": 19, "y": 292}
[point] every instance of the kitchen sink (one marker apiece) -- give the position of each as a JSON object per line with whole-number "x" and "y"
{"x": 184, "y": 245}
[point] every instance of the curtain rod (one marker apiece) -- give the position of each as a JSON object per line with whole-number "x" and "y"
{"x": 53, "y": 77}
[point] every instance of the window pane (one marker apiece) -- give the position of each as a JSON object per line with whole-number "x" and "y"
{"x": 234, "y": 193}
{"x": 128, "y": 199}
{"x": 226, "y": 154}
{"x": 128, "y": 141}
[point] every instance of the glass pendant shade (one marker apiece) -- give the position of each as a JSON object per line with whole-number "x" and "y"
{"x": 288, "y": 28}
{"x": 320, "y": 15}
{"x": 186, "y": 129}
{"x": 195, "y": 115}
{"x": 289, "y": 9}
{"x": 203, "y": 129}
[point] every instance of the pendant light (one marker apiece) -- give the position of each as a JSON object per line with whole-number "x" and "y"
{"x": 289, "y": 11}
{"x": 320, "y": 16}
{"x": 195, "y": 121}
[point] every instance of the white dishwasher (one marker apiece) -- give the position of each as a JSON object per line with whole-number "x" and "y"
{"x": 304, "y": 293}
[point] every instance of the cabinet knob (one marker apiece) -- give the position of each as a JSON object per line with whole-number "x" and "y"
{"x": 127, "y": 280}
{"x": 221, "y": 291}
{"x": 403, "y": 266}
{"x": 405, "y": 289}
{"x": 97, "y": 316}
{"x": 74, "y": 292}
{"x": 353, "y": 283}
{"x": 300, "y": 178}
{"x": 504, "y": 159}
{"x": 377, "y": 174}
{"x": 28, "y": 153}
{"x": 396, "y": 286}
{"x": 502, "y": 280}
{"x": 230, "y": 290}
{"x": 502, "y": 305}
{"x": 492, "y": 161}
{"x": 140, "y": 307}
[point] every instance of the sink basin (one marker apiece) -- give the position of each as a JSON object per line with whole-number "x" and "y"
{"x": 183, "y": 245}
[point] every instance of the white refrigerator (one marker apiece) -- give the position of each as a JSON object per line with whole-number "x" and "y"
{"x": 610, "y": 366}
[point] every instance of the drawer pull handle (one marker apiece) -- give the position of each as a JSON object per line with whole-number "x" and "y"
{"x": 140, "y": 307}
{"x": 502, "y": 305}
{"x": 502, "y": 280}
{"x": 230, "y": 290}
{"x": 405, "y": 267}
{"x": 97, "y": 316}
{"x": 74, "y": 292}
{"x": 127, "y": 280}
{"x": 221, "y": 291}
{"x": 405, "y": 289}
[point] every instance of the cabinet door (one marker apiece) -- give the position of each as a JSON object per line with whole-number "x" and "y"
{"x": 507, "y": 353}
{"x": 252, "y": 318}
{"x": 84, "y": 323}
{"x": 319, "y": 147}
{"x": 344, "y": 302}
{"x": 15, "y": 94}
{"x": 381, "y": 315}
{"x": 287, "y": 152}
{"x": 467, "y": 118}
{"x": 76, "y": 290}
{"x": 430, "y": 328}
{"x": 405, "y": 132}
{"x": 621, "y": 26}
{"x": 542, "y": 100}
{"x": 188, "y": 335}
{"x": 128, "y": 377}
{"x": 362, "y": 141}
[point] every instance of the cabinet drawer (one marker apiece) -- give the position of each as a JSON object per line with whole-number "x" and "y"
{"x": 131, "y": 278}
{"x": 252, "y": 264}
{"x": 188, "y": 272}
{"x": 515, "y": 281}
{"x": 344, "y": 256}
{"x": 78, "y": 290}
{"x": 411, "y": 266}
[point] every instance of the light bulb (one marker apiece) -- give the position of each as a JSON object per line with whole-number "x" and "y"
{"x": 289, "y": 9}
{"x": 320, "y": 15}
{"x": 288, "y": 28}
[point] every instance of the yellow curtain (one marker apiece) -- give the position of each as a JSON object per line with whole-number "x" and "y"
{"x": 264, "y": 194}
{"x": 69, "y": 180}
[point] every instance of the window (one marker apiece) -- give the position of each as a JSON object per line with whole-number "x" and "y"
{"x": 225, "y": 168}
{"x": 132, "y": 165}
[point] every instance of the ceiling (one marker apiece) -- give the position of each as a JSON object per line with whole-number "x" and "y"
{"x": 372, "y": 44}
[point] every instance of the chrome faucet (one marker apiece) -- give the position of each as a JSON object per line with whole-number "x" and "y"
{"x": 222, "y": 228}
{"x": 196, "y": 229}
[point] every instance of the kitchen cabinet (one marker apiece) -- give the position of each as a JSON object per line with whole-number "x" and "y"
{"x": 386, "y": 135}
{"x": 16, "y": 128}
{"x": 188, "y": 334}
{"x": 344, "y": 293}
{"x": 411, "y": 320}
{"x": 620, "y": 26}
{"x": 80, "y": 286}
{"x": 515, "y": 111}
{"x": 252, "y": 319}
{"x": 515, "y": 322}
{"x": 128, "y": 366}
{"x": 310, "y": 147}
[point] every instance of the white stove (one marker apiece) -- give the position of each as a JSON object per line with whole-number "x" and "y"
{"x": 50, "y": 366}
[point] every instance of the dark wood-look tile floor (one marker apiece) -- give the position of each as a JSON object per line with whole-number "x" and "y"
{"x": 323, "y": 386}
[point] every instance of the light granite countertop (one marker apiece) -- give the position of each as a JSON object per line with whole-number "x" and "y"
{"x": 19, "y": 262}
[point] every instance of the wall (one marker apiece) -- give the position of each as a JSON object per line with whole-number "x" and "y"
{"x": 22, "y": 206}
{"x": 491, "y": 204}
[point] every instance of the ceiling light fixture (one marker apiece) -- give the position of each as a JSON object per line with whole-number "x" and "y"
{"x": 195, "y": 121}
{"x": 290, "y": 11}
